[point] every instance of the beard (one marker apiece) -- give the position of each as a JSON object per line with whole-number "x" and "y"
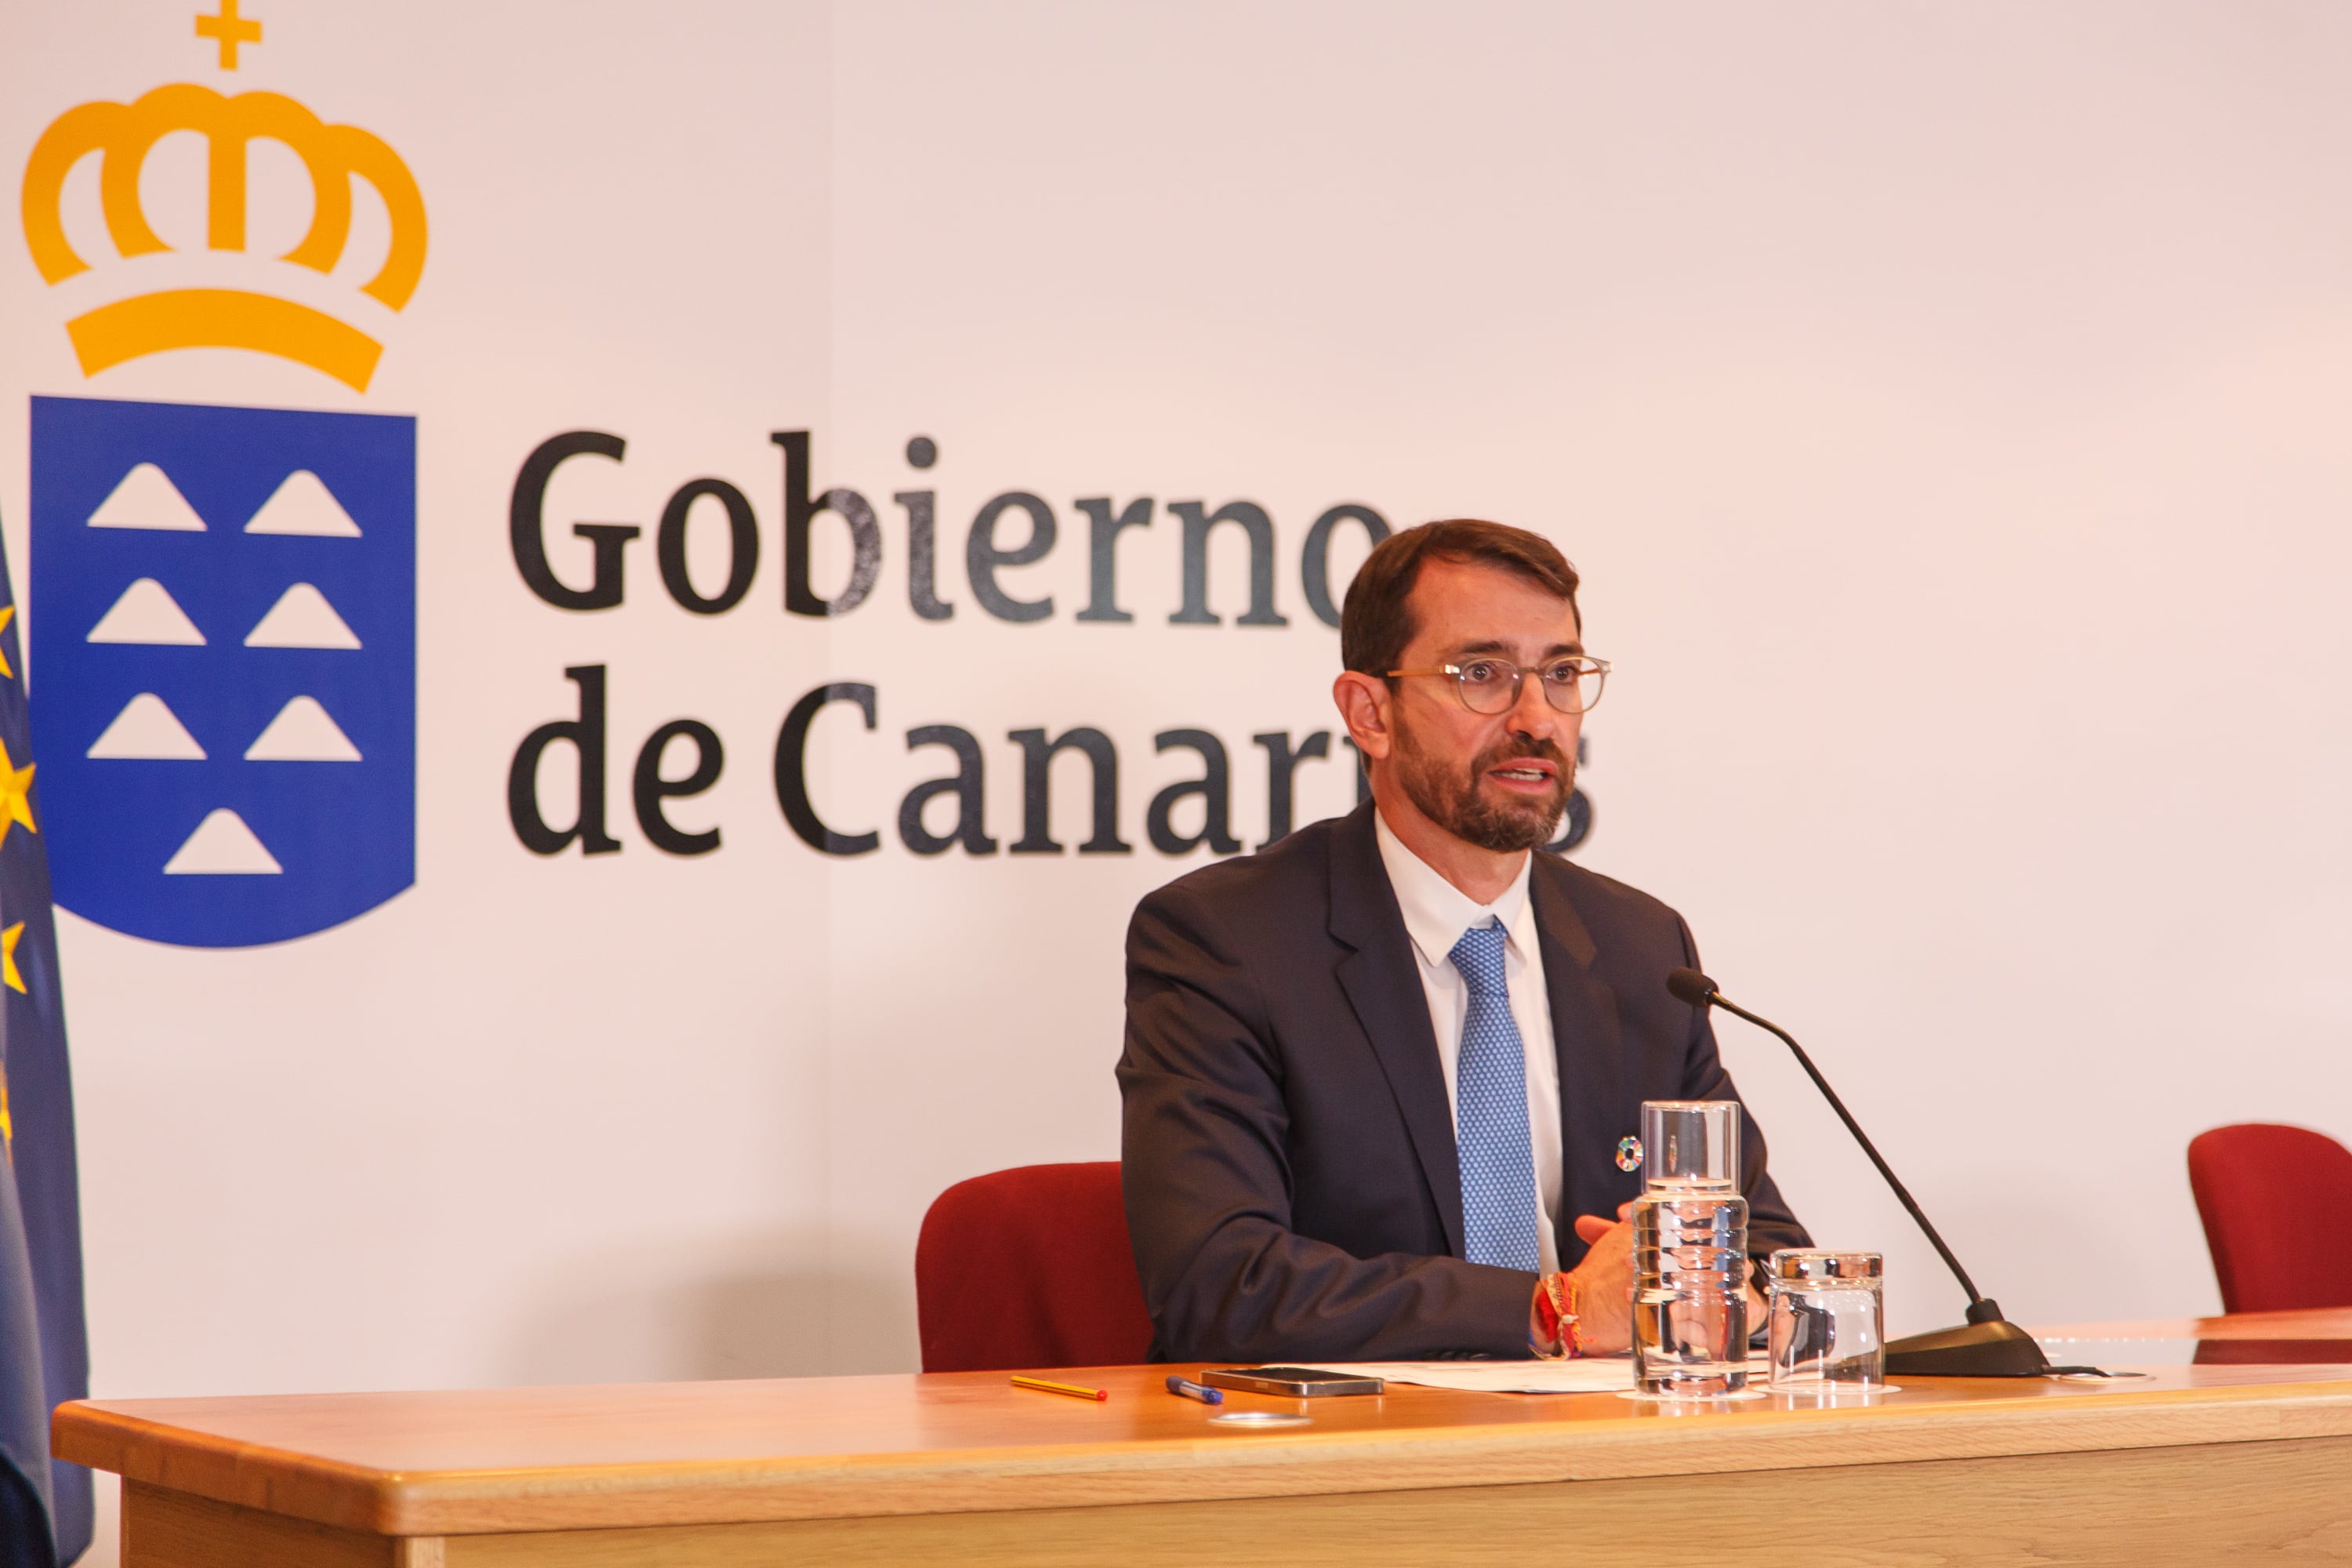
{"x": 1450, "y": 796}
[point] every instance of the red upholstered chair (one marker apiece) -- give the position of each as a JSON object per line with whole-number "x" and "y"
{"x": 2277, "y": 1206}
{"x": 1029, "y": 1268}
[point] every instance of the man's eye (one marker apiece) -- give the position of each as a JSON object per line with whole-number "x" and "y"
{"x": 1564, "y": 673}
{"x": 1482, "y": 672}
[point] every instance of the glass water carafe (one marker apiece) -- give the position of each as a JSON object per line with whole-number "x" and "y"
{"x": 1690, "y": 1253}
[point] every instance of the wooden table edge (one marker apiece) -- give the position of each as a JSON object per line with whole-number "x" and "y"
{"x": 2289, "y": 1323}
{"x": 1202, "y": 1468}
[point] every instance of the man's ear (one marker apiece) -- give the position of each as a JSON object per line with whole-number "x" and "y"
{"x": 1363, "y": 703}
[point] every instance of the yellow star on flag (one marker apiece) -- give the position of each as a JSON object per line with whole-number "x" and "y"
{"x": 10, "y": 975}
{"x": 7, "y": 614}
{"x": 16, "y": 793}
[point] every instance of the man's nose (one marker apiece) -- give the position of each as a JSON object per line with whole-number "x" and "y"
{"x": 1533, "y": 715}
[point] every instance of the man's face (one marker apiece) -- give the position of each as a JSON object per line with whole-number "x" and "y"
{"x": 1498, "y": 780}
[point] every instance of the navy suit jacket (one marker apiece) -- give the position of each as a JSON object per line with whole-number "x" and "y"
{"x": 1291, "y": 1182}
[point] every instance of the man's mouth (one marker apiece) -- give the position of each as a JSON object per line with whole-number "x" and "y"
{"x": 1523, "y": 774}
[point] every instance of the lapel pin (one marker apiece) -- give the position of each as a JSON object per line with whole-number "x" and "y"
{"x": 1629, "y": 1152}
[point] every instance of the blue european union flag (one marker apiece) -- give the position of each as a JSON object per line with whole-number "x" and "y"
{"x": 226, "y": 604}
{"x": 45, "y": 1507}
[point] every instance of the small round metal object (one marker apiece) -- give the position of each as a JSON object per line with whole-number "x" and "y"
{"x": 1258, "y": 1419}
{"x": 1629, "y": 1152}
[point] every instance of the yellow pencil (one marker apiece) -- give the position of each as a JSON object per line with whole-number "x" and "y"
{"x": 1072, "y": 1389}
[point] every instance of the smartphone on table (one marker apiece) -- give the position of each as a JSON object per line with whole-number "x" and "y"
{"x": 1291, "y": 1381}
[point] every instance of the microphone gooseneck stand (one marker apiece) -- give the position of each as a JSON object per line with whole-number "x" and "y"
{"x": 1987, "y": 1345}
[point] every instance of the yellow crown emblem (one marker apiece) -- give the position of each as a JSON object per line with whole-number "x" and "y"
{"x": 124, "y": 133}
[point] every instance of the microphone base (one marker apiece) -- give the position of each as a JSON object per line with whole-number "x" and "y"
{"x": 1993, "y": 1349}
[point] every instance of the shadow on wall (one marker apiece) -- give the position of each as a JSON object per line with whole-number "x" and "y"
{"x": 657, "y": 1315}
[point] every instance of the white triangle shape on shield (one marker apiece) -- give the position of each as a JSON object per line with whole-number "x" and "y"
{"x": 304, "y": 505}
{"x": 223, "y": 846}
{"x": 146, "y": 730}
{"x": 303, "y": 732}
{"x": 147, "y": 613}
{"x": 302, "y": 618}
{"x": 147, "y": 499}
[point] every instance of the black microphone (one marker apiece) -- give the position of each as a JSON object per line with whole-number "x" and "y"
{"x": 1990, "y": 1346}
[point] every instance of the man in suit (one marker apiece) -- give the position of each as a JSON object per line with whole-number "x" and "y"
{"x": 1377, "y": 1077}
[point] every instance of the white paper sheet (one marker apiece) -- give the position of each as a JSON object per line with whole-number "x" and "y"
{"x": 1595, "y": 1374}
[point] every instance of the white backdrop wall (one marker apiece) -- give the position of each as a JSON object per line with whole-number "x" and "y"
{"x": 1945, "y": 405}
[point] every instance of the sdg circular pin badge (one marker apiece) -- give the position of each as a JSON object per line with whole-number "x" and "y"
{"x": 1629, "y": 1152}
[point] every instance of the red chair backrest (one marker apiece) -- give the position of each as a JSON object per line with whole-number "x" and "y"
{"x": 1030, "y": 1267}
{"x": 2277, "y": 1206}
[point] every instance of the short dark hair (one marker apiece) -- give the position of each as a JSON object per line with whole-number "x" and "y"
{"x": 1376, "y": 621}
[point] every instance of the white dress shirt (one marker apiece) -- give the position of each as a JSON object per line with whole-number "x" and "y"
{"x": 1436, "y": 913}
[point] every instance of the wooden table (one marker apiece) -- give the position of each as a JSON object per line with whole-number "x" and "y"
{"x": 2200, "y": 1463}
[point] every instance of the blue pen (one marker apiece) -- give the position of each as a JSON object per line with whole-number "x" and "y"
{"x": 1199, "y": 1390}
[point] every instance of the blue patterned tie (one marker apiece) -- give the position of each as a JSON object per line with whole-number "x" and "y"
{"x": 1498, "y": 1166}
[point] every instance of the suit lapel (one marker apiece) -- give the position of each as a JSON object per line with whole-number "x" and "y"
{"x": 1382, "y": 979}
{"x": 1585, "y": 1041}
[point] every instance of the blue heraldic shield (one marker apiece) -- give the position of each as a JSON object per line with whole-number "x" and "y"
{"x": 226, "y": 600}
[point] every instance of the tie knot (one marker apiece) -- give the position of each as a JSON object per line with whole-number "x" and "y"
{"x": 1479, "y": 956}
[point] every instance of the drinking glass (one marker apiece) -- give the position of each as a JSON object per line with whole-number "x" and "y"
{"x": 1827, "y": 1318}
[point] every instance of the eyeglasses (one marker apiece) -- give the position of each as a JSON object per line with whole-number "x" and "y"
{"x": 1492, "y": 685}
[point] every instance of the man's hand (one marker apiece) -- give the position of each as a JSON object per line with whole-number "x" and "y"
{"x": 1604, "y": 1283}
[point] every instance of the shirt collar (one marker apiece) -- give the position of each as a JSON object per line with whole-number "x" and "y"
{"x": 1436, "y": 912}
